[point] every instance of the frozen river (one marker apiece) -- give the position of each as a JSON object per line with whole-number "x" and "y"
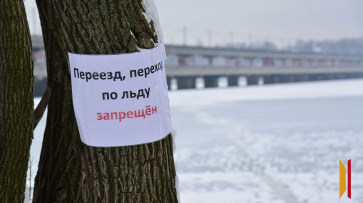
{"x": 276, "y": 143}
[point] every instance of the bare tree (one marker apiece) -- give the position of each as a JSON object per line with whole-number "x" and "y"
{"x": 16, "y": 100}
{"x": 59, "y": 174}
{"x": 142, "y": 173}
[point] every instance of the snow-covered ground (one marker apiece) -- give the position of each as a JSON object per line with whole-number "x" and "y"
{"x": 276, "y": 143}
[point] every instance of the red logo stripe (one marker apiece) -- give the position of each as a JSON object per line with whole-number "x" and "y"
{"x": 349, "y": 179}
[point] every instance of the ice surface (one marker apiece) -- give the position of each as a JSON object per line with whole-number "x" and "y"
{"x": 276, "y": 143}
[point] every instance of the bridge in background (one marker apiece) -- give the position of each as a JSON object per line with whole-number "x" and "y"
{"x": 186, "y": 65}
{"x": 192, "y": 67}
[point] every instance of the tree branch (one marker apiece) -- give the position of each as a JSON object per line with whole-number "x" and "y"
{"x": 39, "y": 111}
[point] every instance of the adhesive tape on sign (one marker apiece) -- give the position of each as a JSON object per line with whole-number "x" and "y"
{"x": 121, "y": 99}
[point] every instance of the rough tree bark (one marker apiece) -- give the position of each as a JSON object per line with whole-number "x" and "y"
{"x": 59, "y": 174}
{"x": 142, "y": 173}
{"x": 16, "y": 100}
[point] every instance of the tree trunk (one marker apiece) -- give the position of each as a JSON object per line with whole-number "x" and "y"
{"x": 142, "y": 173}
{"x": 59, "y": 174}
{"x": 16, "y": 100}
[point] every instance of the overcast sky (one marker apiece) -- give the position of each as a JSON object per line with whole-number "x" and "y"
{"x": 280, "y": 21}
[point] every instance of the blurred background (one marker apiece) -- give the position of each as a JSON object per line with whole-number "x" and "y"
{"x": 265, "y": 96}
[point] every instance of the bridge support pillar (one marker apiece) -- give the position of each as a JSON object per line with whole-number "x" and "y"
{"x": 199, "y": 83}
{"x": 186, "y": 82}
{"x": 242, "y": 81}
{"x": 210, "y": 81}
{"x": 261, "y": 80}
{"x": 232, "y": 81}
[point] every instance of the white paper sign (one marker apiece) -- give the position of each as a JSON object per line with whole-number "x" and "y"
{"x": 122, "y": 99}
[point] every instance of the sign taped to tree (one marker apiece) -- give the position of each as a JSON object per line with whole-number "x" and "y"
{"x": 121, "y": 99}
